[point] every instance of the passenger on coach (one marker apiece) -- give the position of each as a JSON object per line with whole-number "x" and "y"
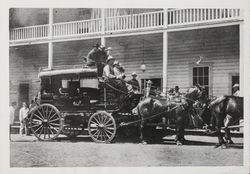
{"x": 118, "y": 70}
{"x": 134, "y": 82}
{"x": 108, "y": 70}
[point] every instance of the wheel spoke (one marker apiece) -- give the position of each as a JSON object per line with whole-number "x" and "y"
{"x": 41, "y": 132}
{"x": 47, "y": 109}
{"x": 111, "y": 124}
{"x": 110, "y": 128}
{"x": 98, "y": 134}
{"x": 97, "y": 131}
{"x": 96, "y": 120}
{"x": 40, "y": 113}
{"x": 107, "y": 135}
{"x": 38, "y": 128}
{"x": 108, "y": 121}
{"x": 54, "y": 120}
{"x": 54, "y": 124}
{"x": 35, "y": 125}
{"x": 43, "y": 112}
{"x": 38, "y": 116}
{"x": 109, "y": 132}
{"x": 52, "y": 116}
{"x": 50, "y": 113}
{"x": 93, "y": 122}
{"x": 54, "y": 128}
{"x": 100, "y": 121}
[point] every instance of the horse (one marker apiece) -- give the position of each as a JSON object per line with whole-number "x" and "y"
{"x": 223, "y": 111}
{"x": 152, "y": 110}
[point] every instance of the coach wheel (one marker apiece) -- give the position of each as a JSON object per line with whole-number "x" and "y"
{"x": 102, "y": 127}
{"x": 45, "y": 121}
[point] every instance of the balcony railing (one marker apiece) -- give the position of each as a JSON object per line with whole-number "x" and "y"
{"x": 32, "y": 32}
{"x": 77, "y": 27}
{"x": 151, "y": 20}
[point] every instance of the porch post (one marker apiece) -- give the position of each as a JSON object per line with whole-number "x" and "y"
{"x": 103, "y": 39}
{"x": 50, "y": 54}
{"x": 165, "y": 53}
{"x": 243, "y": 49}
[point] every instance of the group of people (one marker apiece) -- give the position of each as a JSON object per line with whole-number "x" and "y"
{"x": 114, "y": 70}
{"x": 23, "y": 115}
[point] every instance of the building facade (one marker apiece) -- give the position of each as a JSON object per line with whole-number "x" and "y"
{"x": 178, "y": 46}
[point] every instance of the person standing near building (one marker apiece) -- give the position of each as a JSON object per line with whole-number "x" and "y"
{"x": 12, "y": 110}
{"x": 134, "y": 82}
{"x": 236, "y": 90}
{"x": 23, "y": 113}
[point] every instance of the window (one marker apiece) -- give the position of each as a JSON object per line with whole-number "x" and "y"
{"x": 156, "y": 83}
{"x": 201, "y": 76}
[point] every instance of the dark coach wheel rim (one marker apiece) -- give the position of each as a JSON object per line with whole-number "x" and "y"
{"x": 102, "y": 127}
{"x": 46, "y": 122}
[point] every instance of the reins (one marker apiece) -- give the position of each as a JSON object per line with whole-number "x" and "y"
{"x": 148, "y": 118}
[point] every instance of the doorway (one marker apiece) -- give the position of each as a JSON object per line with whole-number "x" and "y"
{"x": 234, "y": 78}
{"x": 23, "y": 93}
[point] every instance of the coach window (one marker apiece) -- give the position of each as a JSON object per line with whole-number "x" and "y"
{"x": 201, "y": 76}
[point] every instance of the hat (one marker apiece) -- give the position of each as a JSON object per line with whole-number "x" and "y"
{"x": 176, "y": 87}
{"x": 110, "y": 58}
{"x": 109, "y": 48}
{"x": 236, "y": 85}
{"x": 134, "y": 74}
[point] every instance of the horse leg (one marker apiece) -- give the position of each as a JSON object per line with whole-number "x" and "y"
{"x": 219, "y": 123}
{"x": 142, "y": 133}
{"x": 227, "y": 131}
{"x": 228, "y": 136}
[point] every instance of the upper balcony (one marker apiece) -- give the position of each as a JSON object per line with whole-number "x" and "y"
{"x": 176, "y": 18}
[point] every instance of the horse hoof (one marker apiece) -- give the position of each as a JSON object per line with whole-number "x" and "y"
{"x": 144, "y": 142}
{"x": 230, "y": 142}
{"x": 224, "y": 146}
{"x": 178, "y": 143}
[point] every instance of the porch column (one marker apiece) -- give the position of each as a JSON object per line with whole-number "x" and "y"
{"x": 165, "y": 53}
{"x": 244, "y": 51}
{"x": 50, "y": 59}
{"x": 103, "y": 39}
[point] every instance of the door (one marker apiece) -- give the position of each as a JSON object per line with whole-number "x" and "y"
{"x": 23, "y": 93}
{"x": 235, "y": 79}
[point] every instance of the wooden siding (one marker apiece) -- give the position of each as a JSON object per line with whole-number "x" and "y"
{"x": 219, "y": 47}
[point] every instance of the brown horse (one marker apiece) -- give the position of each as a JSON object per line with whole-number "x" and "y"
{"x": 221, "y": 112}
{"x": 149, "y": 107}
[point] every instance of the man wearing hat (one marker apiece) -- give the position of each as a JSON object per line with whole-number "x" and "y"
{"x": 118, "y": 70}
{"x": 134, "y": 82}
{"x": 108, "y": 70}
{"x": 236, "y": 89}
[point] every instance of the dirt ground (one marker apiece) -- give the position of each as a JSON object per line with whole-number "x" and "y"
{"x": 82, "y": 152}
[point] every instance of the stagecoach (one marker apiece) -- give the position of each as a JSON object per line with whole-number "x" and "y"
{"x": 73, "y": 100}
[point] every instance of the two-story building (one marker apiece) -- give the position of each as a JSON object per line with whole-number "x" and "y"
{"x": 178, "y": 46}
